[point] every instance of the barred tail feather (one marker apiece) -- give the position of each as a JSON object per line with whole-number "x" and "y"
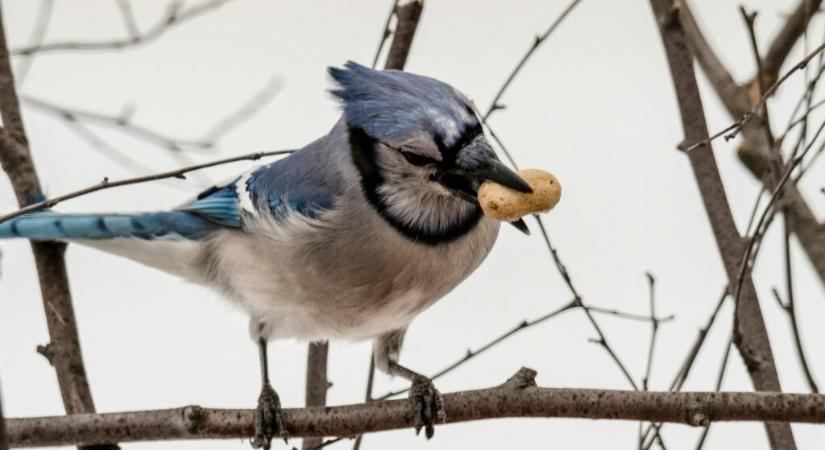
{"x": 51, "y": 226}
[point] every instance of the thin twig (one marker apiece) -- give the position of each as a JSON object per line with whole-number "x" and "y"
{"x": 41, "y": 26}
{"x": 494, "y": 104}
{"x": 790, "y": 309}
{"x": 733, "y": 129}
{"x": 681, "y": 375}
{"x": 385, "y": 33}
{"x": 629, "y": 316}
{"x": 654, "y": 329}
{"x": 249, "y": 108}
{"x": 128, "y": 16}
{"x": 175, "y": 15}
{"x": 760, "y": 224}
{"x": 107, "y": 184}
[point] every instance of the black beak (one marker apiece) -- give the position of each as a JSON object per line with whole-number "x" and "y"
{"x": 521, "y": 226}
{"x": 495, "y": 170}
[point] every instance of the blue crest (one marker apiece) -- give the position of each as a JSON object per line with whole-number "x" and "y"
{"x": 392, "y": 106}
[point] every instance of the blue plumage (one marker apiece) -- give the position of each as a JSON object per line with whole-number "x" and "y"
{"x": 218, "y": 205}
{"x": 47, "y": 226}
{"x": 293, "y": 184}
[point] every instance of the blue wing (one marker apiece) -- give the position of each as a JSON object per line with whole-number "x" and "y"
{"x": 304, "y": 183}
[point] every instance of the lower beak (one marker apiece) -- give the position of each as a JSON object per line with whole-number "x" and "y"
{"x": 521, "y": 226}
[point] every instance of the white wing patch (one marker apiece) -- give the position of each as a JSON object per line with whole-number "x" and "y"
{"x": 244, "y": 196}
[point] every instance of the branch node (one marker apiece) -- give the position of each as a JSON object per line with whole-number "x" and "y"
{"x": 522, "y": 379}
{"x": 697, "y": 418}
{"x": 193, "y": 418}
{"x": 47, "y": 351}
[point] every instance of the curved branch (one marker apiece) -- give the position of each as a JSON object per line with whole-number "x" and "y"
{"x": 518, "y": 397}
{"x": 734, "y": 96}
{"x": 5, "y": 141}
{"x": 174, "y": 16}
{"x": 784, "y": 42}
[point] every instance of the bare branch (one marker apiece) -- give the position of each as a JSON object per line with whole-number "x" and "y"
{"x": 751, "y": 335}
{"x": 732, "y": 130}
{"x": 654, "y": 329}
{"x": 734, "y": 96}
{"x": 385, "y": 34}
{"x": 519, "y": 397}
{"x": 16, "y": 160}
{"x": 790, "y": 309}
{"x": 106, "y": 184}
{"x": 791, "y": 31}
{"x": 408, "y": 15}
{"x": 317, "y": 384}
{"x": 41, "y": 26}
{"x": 175, "y": 15}
{"x": 495, "y": 104}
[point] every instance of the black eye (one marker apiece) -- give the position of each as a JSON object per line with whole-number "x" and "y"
{"x": 417, "y": 160}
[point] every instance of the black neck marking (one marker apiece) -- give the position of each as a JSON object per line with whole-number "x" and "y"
{"x": 363, "y": 155}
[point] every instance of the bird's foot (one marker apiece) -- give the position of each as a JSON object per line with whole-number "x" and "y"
{"x": 427, "y": 406}
{"x": 269, "y": 419}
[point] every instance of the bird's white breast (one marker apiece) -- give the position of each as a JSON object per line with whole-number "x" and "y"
{"x": 346, "y": 275}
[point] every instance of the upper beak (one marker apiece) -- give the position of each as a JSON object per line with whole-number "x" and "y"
{"x": 495, "y": 170}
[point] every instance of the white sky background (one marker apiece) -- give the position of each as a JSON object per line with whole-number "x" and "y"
{"x": 595, "y": 106}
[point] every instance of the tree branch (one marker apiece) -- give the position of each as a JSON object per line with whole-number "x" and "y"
{"x": 408, "y": 15}
{"x": 16, "y": 160}
{"x": 317, "y": 383}
{"x": 751, "y": 335}
{"x": 518, "y": 397}
{"x": 734, "y": 96}
{"x": 7, "y": 143}
{"x": 174, "y": 16}
{"x": 791, "y": 31}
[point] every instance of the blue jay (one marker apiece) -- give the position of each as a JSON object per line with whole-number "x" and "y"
{"x": 350, "y": 237}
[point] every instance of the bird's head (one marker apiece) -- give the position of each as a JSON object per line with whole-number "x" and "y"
{"x": 420, "y": 149}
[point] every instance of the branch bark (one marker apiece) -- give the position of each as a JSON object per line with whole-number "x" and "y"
{"x": 518, "y": 397}
{"x": 734, "y": 96}
{"x": 755, "y": 152}
{"x": 405, "y": 27}
{"x": 63, "y": 351}
{"x": 791, "y": 31}
{"x": 751, "y": 335}
{"x": 317, "y": 383}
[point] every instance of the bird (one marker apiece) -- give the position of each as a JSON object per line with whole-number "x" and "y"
{"x": 351, "y": 237}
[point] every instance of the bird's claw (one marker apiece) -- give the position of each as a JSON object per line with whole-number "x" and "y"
{"x": 427, "y": 406}
{"x": 269, "y": 419}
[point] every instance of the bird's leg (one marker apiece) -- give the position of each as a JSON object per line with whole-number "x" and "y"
{"x": 425, "y": 400}
{"x": 269, "y": 420}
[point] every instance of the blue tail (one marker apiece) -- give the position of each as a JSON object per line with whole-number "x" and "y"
{"x": 51, "y": 226}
